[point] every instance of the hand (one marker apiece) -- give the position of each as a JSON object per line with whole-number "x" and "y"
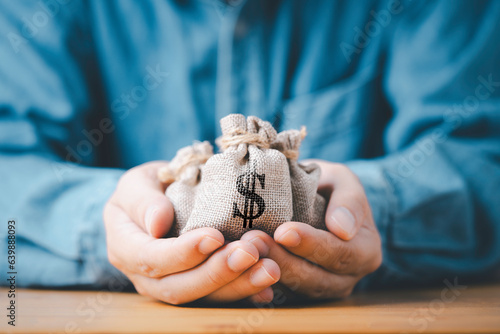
{"x": 327, "y": 264}
{"x": 178, "y": 270}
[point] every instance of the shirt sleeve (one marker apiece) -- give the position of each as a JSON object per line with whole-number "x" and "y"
{"x": 434, "y": 196}
{"x": 48, "y": 186}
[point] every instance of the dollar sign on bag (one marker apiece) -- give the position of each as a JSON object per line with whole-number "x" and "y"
{"x": 246, "y": 186}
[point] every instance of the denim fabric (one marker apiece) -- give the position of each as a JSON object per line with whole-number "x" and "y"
{"x": 406, "y": 93}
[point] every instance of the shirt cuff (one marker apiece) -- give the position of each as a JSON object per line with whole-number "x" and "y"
{"x": 383, "y": 203}
{"x": 379, "y": 192}
{"x": 97, "y": 269}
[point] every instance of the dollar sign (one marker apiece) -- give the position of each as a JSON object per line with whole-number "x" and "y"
{"x": 246, "y": 186}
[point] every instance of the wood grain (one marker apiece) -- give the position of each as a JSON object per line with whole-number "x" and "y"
{"x": 475, "y": 309}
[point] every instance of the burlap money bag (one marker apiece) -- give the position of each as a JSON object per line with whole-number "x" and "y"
{"x": 308, "y": 206}
{"x": 247, "y": 186}
{"x": 184, "y": 174}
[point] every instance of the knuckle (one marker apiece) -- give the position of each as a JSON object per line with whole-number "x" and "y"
{"x": 262, "y": 235}
{"x": 246, "y": 246}
{"x": 290, "y": 277}
{"x": 239, "y": 244}
{"x": 320, "y": 249}
{"x": 172, "y": 297}
{"x": 216, "y": 278}
{"x": 144, "y": 266}
{"x": 287, "y": 269}
{"x": 183, "y": 259}
{"x": 308, "y": 269}
{"x": 319, "y": 291}
{"x": 320, "y": 254}
{"x": 295, "y": 225}
{"x": 343, "y": 259}
{"x": 355, "y": 200}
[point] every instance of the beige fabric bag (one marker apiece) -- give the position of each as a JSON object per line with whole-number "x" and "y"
{"x": 254, "y": 183}
{"x": 184, "y": 174}
{"x": 308, "y": 206}
{"x": 245, "y": 187}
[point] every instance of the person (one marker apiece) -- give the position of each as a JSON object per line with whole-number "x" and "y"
{"x": 400, "y": 99}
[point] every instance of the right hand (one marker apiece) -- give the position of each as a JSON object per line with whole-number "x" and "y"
{"x": 179, "y": 270}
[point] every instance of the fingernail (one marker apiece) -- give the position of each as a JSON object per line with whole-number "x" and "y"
{"x": 290, "y": 239}
{"x": 344, "y": 220}
{"x": 261, "y": 277}
{"x": 240, "y": 260}
{"x": 208, "y": 244}
{"x": 264, "y": 297}
{"x": 151, "y": 213}
{"x": 261, "y": 246}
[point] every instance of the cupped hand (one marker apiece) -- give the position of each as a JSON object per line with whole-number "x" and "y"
{"x": 196, "y": 265}
{"x": 321, "y": 264}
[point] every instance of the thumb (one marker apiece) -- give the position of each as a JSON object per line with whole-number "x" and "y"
{"x": 159, "y": 217}
{"x": 142, "y": 197}
{"x": 347, "y": 205}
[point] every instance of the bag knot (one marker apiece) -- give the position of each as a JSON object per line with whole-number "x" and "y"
{"x": 236, "y": 130}
{"x": 191, "y": 156}
{"x": 288, "y": 142}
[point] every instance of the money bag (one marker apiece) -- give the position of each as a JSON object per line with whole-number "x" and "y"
{"x": 308, "y": 206}
{"x": 183, "y": 175}
{"x": 247, "y": 185}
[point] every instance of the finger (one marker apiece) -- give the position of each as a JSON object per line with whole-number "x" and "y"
{"x": 259, "y": 277}
{"x": 259, "y": 240}
{"x": 221, "y": 268}
{"x": 302, "y": 276}
{"x": 131, "y": 249}
{"x": 347, "y": 206}
{"x": 141, "y": 195}
{"x": 326, "y": 250}
{"x": 264, "y": 297}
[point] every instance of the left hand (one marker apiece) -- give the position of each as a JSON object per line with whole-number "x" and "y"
{"x": 196, "y": 265}
{"x": 322, "y": 264}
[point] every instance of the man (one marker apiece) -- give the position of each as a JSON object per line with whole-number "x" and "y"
{"x": 401, "y": 102}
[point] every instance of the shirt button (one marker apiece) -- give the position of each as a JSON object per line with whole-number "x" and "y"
{"x": 240, "y": 29}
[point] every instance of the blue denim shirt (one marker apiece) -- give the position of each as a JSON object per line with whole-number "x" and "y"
{"x": 406, "y": 93}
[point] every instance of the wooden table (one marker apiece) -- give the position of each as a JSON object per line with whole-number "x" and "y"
{"x": 473, "y": 309}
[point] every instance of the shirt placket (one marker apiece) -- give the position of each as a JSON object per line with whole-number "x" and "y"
{"x": 239, "y": 82}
